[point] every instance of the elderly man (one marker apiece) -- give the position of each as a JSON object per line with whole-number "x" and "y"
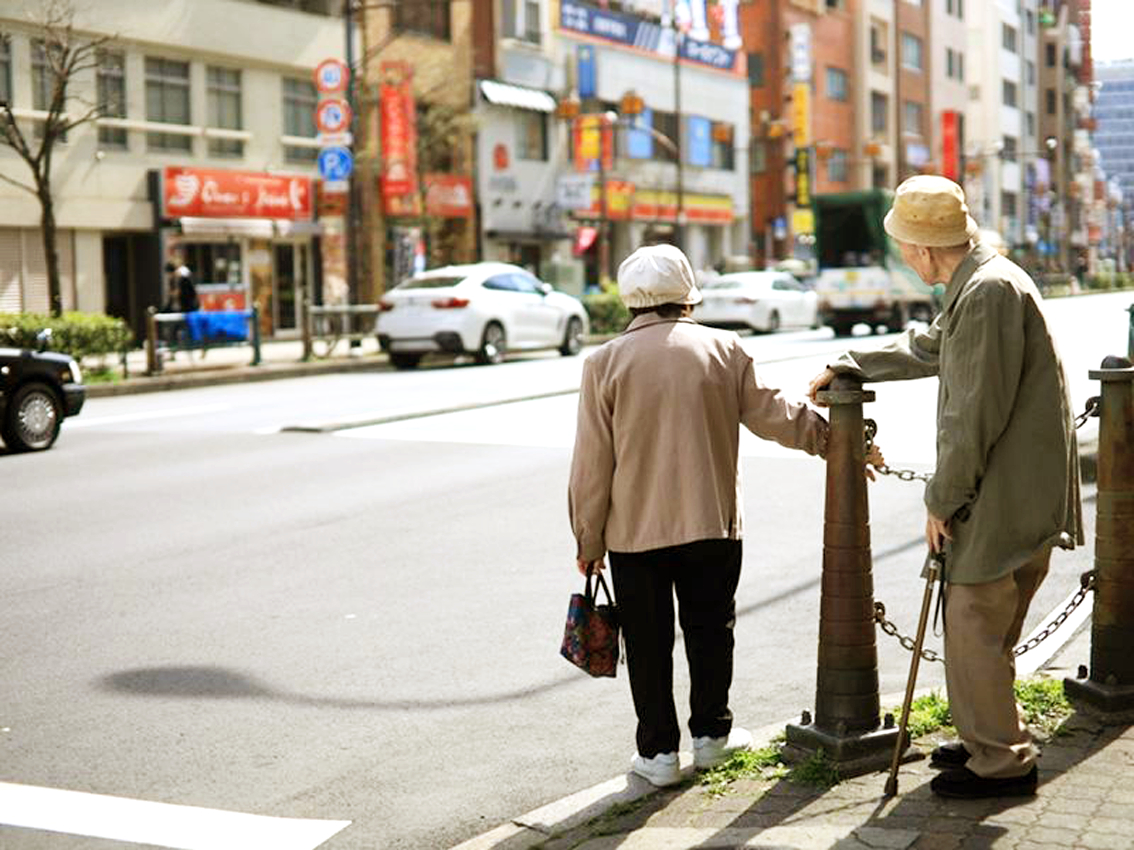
{"x": 654, "y": 482}
{"x": 1006, "y": 485}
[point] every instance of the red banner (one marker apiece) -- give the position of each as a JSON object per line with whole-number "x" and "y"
{"x": 216, "y": 193}
{"x": 950, "y": 163}
{"x": 448, "y": 196}
{"x": 398, "y": 130}
{"x": 594, "y": 137}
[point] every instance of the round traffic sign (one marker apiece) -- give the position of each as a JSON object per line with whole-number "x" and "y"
{"x": 331, "y": 75}
{"x": 335, "y": 163}
{"x": 332, "y": 116}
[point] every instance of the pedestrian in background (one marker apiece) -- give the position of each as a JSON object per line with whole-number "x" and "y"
{"x": 1005, "y": 489}
{"x": 654, "y": 482}
{"x": 186, "y": 290}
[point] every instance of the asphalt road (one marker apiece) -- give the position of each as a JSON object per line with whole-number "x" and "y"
{"x": 206, "y": 609}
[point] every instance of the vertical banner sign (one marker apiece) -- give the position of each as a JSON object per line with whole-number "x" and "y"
{"x": 801, "y": 115}
{"x": 800, "y": 39}
{"x": 398, "y": 131}
{"x": 593, "y": 138}
{"x": 586, "y": 76}
{"x": 803, "y": 177}
{"x": 950, "y": 166}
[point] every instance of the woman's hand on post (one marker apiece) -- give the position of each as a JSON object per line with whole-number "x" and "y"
{"x": 819, "y": 382}
{"x": 874, "y": 458}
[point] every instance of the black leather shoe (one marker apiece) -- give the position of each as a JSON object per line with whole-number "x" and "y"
{"x": 952, "y": 754}
{"x": 962, "y": 783}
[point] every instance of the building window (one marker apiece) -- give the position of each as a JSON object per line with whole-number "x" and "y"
{"x": 299, "y": 102}
{"x": 111, "y": 73}
{"x": 955, "y": 7}
{"x": 531, "y": 135}
{"x": 1030, "y": 72}
{"x": 1030, "y": 124}
{"x": 1008, "y": 38}
{"x": 5, "y": 69}
{"x": 961, "y": 66}
{"x": 42, "y": 81}
{"x": 1049, "y": 54}
{"x": 911, "y": 52}
{"x": 666, "y": 124}
{"x": 1008, "y": 204}
{"x": 167, "y": 102}
{"x": 423, "y": 17}
{"x": 912, "y": 113}
{"x": 224, "y": 110}
{"x": 836, "y": 84}
{"x": 1010, "y": 95}
{"x": 758, "y": 160}
{"x": 521, "y": 20}
{"x": 837, "y": 166}
{"x": 1049, "y": 96}
{"x": 723, "y": 155}
{"x": 1010, "y": 149}
{"x": 879, "y": 111}
{"x": 877, "y": 43}
{"x": 1030, "y": 19}
{"x": 756, "y": 70}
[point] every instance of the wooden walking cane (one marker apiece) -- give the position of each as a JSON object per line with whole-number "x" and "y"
{"x": 932, "y": 568}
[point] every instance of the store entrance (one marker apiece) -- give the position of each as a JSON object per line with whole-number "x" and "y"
{"x": 291, "y": 265}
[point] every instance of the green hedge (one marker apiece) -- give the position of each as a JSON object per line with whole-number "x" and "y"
{"x": 606, "y": 311}
{"x": 1111, "y": 280}
{"x": 78, "y": 334}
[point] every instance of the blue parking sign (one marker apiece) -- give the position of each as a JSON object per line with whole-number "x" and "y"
{"x": 335, "y": 163}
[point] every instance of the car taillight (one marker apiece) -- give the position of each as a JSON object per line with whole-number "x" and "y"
{"x": 450, "y": 303}
{"x": 385, "y": 306}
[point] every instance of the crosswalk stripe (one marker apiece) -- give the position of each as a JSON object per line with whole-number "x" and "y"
{"x": 157, "y": 824}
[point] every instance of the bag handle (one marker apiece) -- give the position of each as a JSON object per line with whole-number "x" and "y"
{"x": 592, "y": 594}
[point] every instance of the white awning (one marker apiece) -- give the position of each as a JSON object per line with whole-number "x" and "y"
{"x": 506, "y": 94}
{"x": 263, "y": 228}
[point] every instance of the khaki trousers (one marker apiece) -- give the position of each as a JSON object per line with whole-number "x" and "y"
{"x": 982, "y": 625}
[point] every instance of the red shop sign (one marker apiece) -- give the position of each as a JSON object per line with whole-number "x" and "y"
{"x": 398, "y": 131}
{"x": 448, "y": 196}
{"x": 216, "y": 193}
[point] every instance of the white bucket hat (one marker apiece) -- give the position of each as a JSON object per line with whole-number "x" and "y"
{"x": 931, "y": 211}
{"x": 655, "y": 275}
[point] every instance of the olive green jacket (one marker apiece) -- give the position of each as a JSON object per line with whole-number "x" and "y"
{"x": 655, "y": 461}
{"x": 1007, "y": 471}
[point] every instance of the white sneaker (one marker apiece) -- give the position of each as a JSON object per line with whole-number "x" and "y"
{"x": 709, "y": 752}
{"x": 661, "y": 770}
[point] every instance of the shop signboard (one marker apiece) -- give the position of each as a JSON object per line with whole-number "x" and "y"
{"x": 219, "y": 193}
{"x": 398, "y": 131}
{"x": 448, "y": 196}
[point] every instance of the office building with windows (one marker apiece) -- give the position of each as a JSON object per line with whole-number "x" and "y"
{"x": 204, "y": 153}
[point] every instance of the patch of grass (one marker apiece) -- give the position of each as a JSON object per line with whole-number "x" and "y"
{"x": 818, "y": 770}
{"x": 763, "y": 763}
{"x": 927, "y": 714}
{"x": 105, "y": 375}
{"x": 1044, "y": 702}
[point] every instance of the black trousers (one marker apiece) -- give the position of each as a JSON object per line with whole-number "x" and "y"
{"x": 704, "y": 575}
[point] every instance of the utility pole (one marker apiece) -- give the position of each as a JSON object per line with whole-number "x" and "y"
{"x": 352, "y": 188}
{"x": 679, "y": 216}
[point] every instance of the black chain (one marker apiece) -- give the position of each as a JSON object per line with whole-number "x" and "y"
{"x": 1092, "y": 409}
{"x": 1086, "y": 585}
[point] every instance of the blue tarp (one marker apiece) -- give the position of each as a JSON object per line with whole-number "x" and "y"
{"x": 218, "y": 326}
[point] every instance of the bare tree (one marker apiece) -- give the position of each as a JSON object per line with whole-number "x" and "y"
{"x": 63, "y": 55}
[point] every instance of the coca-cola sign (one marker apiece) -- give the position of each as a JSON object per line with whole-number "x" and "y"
{"x": 216, "y": 193}
{"x": 448, "y": 196}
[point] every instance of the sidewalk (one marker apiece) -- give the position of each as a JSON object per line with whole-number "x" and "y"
{"x": 1085, "y": 800}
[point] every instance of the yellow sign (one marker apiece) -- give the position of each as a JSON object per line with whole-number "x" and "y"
{"x": 802, "y": 221}
{"x": 801, "y": 114}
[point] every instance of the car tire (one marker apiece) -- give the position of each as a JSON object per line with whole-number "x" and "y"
{"x": 843, "y": 328}
{"x": 33, "y": 418}
{"x": 573, "y": 338}
{"x": 405, "y": 361}
{"x": 493, "y": 344}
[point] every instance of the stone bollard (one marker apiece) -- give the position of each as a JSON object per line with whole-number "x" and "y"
{"x": 1110, "y": 686}
{"x": 846, "y": 725}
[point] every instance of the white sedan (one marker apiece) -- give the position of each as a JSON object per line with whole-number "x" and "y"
{"x": 760, "y": 300}
{"x": 483, "y": 309}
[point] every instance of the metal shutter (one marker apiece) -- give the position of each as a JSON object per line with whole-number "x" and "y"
{"x": 10, "y": 271}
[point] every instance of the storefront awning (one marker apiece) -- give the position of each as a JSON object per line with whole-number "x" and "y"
{"x": 262, "y": 228}
{"x": 520, "y": 97}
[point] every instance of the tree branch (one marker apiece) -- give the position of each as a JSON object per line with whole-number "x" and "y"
{"x": 29, "y": 189}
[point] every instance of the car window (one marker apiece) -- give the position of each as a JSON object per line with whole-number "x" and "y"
{"x": 525, "y": 283}
{"x": 429, "y": 282}
{"x": 722, "y": 283}
{"x": 500, "y": 283}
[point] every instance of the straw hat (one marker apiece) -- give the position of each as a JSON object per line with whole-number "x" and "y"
{"x": 655, "y": 275}
{"x": 931, "y": 211}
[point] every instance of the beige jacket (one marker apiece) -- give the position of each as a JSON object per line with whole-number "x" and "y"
{"x": 655, "y": 460}
{"x": 1006, "y": 449}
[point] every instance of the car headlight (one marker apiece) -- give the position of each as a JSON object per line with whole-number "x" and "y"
{"x": 76, "y": 374}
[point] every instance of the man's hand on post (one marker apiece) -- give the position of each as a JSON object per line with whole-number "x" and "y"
{"x": 597, "y": 565}
{"x": 819, "y": 382}
{"x": 874, "y": 458}
{"x": 937, "y": 531}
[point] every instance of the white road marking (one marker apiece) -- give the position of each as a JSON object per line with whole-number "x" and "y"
{"x": 91, "y": 422}
{"x": 158, "y": 824}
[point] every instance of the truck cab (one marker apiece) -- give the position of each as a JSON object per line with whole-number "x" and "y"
{"x": 862, "y": 278}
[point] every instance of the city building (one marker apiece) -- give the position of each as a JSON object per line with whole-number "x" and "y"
{"x": 1114, "y": 139}
{"x": 204, "y": 154}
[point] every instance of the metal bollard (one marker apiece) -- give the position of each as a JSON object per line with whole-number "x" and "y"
{"x": 1130, "y": 334}
{"x": 846, "y": 726}
{"x": 153, "y": 358}
{"x": 1110, "y": 686}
